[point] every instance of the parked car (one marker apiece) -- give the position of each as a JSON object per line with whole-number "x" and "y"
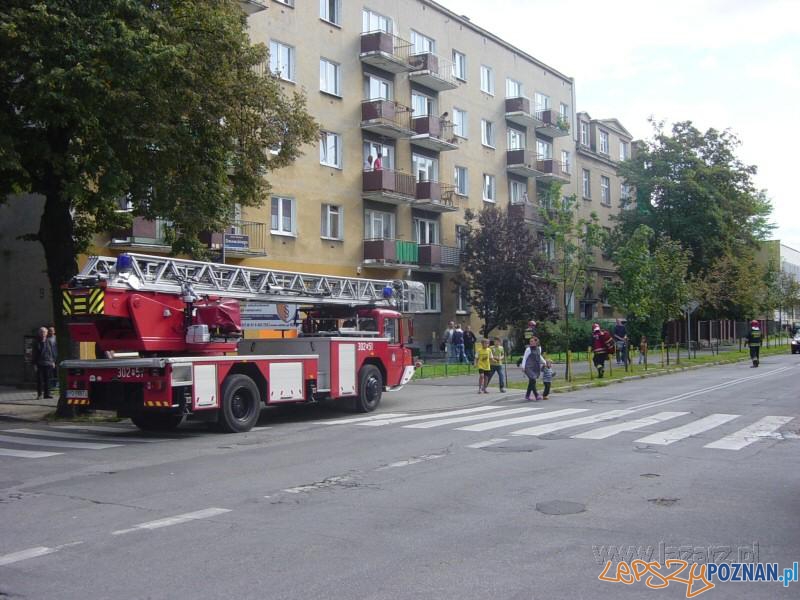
{"x": 796, "y": 343}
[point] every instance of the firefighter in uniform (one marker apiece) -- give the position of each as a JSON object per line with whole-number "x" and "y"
{"x": 754, "y": 341}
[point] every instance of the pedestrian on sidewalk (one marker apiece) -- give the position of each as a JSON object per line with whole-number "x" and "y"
{"x": 754, "y": 341}
{"x": 484, "y": 366}
{"x": 620, "y": 341}
{"x": 643, "y": 349}
{"x": 457, "y": 341}
{"x": 497, "y": 360}
{"x": 532, "y": 363}
{"x": 547, "y": 378}
{"x": 602, "y": 346}
{"x": 469, "y": 344}
{"x": 44, "y": 361}
{"x": 447, "y": 342}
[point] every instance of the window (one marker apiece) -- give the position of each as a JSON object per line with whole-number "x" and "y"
{"x": 487, "y": 133}
{"x": 330, "y": 149}
{"x": 461, "y": 180}
{"x": 625, "y": 195}
{"x": 563, "y": 111}
{"x": 487, "y": 79}
{"x": 541, "y": 102}
{"x": 587, "y": 183}
{"x": 386, "y": 152}
{"x": 517, "y": 191}
{"x": 516, "y": 139}
{"x": 425, "y": 168}
{"x": 489, "y": 188}
{"x": 462, "y": 300}
{"x": 331, "y": 11}
{"x": 585, "y": 133}
{"x": 426, "y": 231}
{"x": 432, "y": 296}
{"x": 283, "y": 217}
{"x": 422, "y": 105}
{"x": 331, "y": 222}
{"x": 513, "y": 88}
{"x": 372, "y": 21}
{"x": 566, "y": 162}
{"x": 460, "y": 122}
{"x": 603, "y": 142}
{"x": 461, "y": 237}
{"x": 329, "y": 77}
{"x": 549, "y": 247}
{"x": 422, "y": 43}
{"x": 286, "y": 2}
{"x": 544, "y": 150}
{"x": 459, "y": 65}
{"x": 623, "y": 150}
{"x": 281, "y": 60}
{"x": 607, "y": 282}
{"x": 378, "y": 225}
{"x": 605, "y": 190}
{"x": 376, "y": 88}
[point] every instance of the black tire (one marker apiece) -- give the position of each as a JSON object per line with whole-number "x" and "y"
{"x": 241, "y": 404}
{"x": 157, "y": 421}
{"x": 370, "y": 389}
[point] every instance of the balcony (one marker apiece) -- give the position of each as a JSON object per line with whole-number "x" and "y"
{"x": 385, "y": 51}
{"x": 436, "y": 197}
{"x": 433, "y": 133}
{"x": 518, "y": 111}
{"x": 432, "y": 71}
{"x": 434, "y": 257}
{"x": 250, "y": 7}
{"x": 384, "y": 253}
{"x": 389, "y": 186}
{"x": 142, "y": 233}
{"x": 242, "y": 238}
{"x": 552, "y": 170}
{"x": 527, "y": 212}
{"x": 386, "y": 118}
{"x": 523, "y": 163}
{"x": 551, "y": 123}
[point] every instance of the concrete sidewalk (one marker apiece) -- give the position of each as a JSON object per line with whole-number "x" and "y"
{"x": 21, "y": 404}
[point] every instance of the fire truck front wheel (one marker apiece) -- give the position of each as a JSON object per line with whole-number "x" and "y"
{"x": 369, "y": 389}
{"x": 241, "y": 404}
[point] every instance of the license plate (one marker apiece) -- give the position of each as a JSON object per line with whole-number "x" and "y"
{"x": 77, "y": 393}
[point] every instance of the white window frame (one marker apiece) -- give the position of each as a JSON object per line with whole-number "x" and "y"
{"x": 433, "y": 296}
{"x": 460, "y": 121}
{"x": 585, "y": 137}
{"x": 513, "y": 88}
{"x": 382, "y": 219}
{"x": 544, "y": 150}
{"x": 286, "y": 2}
{"x": 328, "y": 70}
{"x": 430, "y": 166}
{"x": 605, "y": 190}
{"x": 382, "y": 22}
{"x": 566, "y": 162}
{"x": 326, "y": 7}
{"x": 517, "y": 191}
{"x": 422, "y": 105}
{"x": 623, "y": 150}
{"x": 326, "y": 147}
{"x": 331, "y": 213}
{"x": 540, "y": 102}
{"x": 462, "y": 300}
{"x": 276, "y": 66}
{"x": 586, "y": 183}
{"x": 603, "y": 145}
{"x": 515, "y": 139}
{"x": 379, "y": 82}
{"x": 461, "y": 181}
{"x": 461, "y": 237}
{"x": 459, "y": 65}
{"x": 487, "y": 133}
{"x": 487, "y": 79}
{"x": 281, "y": 205}
{"x": 489, "y": 188}
{"x": 421, "y": 43}
{"x": 426, "y": 231}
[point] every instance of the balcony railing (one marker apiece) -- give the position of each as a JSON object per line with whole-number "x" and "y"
{"x": 385, "y": 51}
{"x": 550, "y": 169}
{"x": 552, "y": 123}
{"x": 387, "y": 118}
{"x": 142, "y": 232}
{"x": 522, "y": 162}
{"x": 526, "y": 211}
{"x": 385, "y": 251}
{"x": 518, "y": 110}
{"x": 439, "y": 257}
{"x": 242, "y": 238}
{"x": 390, "y": 186}
{"x": 434, "y": 133}
{"x": 436, "y": 196}
{"x": 432, "y": 71}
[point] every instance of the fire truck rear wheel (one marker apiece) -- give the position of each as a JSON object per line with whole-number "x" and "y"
{"x": 370, "y": 389}
{"x": 156, "y": 421}
{"x": 241, "y": 404}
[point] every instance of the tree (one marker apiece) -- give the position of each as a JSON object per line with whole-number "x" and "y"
{"x": 734, "y": 287}
{"x": 507, "y": 275}
{"x": 156, "y": 104}
{"x": 693, "y": 189}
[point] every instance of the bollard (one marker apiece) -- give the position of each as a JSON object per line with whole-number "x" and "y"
{"x": 568, "y": 373}
{"x": 677, "y": 353}
{"x": 589, "y": 360}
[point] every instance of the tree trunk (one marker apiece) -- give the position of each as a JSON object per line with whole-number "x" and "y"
{"x": 56, "y": 236}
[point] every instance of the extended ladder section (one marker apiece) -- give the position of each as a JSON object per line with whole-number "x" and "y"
{"x": 176, "y": 276}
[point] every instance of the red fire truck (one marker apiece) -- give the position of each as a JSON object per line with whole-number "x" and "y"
{"x": 178, "y": 324}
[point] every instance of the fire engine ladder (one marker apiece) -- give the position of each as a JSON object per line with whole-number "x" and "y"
{"x": 170, "y": 275}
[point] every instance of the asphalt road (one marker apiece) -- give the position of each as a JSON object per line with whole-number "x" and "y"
{"x": 458, "y": 496}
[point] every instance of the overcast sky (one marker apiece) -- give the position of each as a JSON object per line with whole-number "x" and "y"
{"x": 726, "y": 64}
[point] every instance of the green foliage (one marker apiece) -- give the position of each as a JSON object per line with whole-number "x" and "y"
{"x": 693, "y": 189}
{"x": 556, "y": 337}
{"x": 506, "y": 273}
{"x": 733, "y": 287}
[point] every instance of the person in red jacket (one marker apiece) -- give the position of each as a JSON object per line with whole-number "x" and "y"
{"x": 602, "y": 347}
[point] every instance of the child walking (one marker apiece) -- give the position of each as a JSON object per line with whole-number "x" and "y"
{"x": 547, "y": 378}
{"x": 484, "y": 365}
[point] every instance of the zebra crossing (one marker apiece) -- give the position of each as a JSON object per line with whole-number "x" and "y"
{"x": 56, "y": 440}
{"x": 539, "y": 421}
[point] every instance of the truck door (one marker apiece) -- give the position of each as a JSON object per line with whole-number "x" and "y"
{"x": 394, "y": 362}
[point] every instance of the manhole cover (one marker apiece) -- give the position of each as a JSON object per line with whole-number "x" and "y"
{"x": 649, "y": 475}
{"x": 663, "y": 501}
{"x": 560, "y": 507}
{"x": 520, "y": 448}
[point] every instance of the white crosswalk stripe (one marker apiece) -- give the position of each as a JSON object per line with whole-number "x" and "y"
{"x": 48, "y": 433}
{"x": 126, "y": 429}
{"x": 558, "y": 425}
{"x": 602, "y": 433}
{"x": 359, "y": 419}
{"x": 670, "y": 436}
{"x": 461, "y": 411}
{"x": 27, "y": 453}
{"x": 25, "y": 441}
{"x": 468, "y": 418}
{"x": 761, "y": 429}
{"x": 526, "y": 419}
